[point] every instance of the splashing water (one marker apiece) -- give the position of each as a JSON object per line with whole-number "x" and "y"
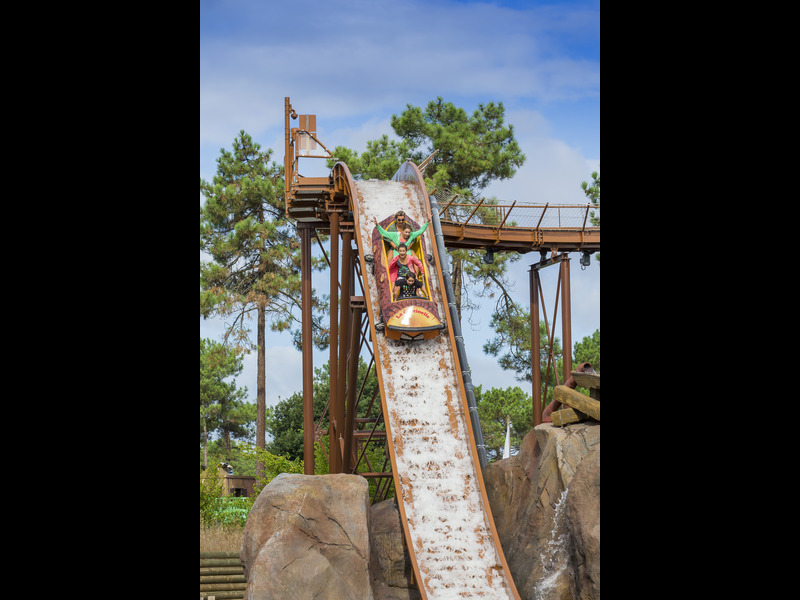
{"x": 554, "y": 557}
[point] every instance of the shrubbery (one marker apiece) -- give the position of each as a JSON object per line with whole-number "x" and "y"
{"x": 230, "y": 511}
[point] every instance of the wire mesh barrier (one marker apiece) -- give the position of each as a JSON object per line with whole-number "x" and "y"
{"x": 462, "y": 209}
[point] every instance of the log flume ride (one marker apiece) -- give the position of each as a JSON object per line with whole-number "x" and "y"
{"x": 452, "y": 540}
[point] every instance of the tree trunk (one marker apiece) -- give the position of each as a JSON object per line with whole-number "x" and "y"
{"x": 261, "y": 389}
{"x": 205, "y": 443}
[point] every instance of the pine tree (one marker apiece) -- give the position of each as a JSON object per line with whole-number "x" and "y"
{"x": 593, "y": 193}
{"x": 222, "y": 404}
{"x": 255, "y": 251}
{"x": 473, "y": 151}
{"x": 498, "y": 407}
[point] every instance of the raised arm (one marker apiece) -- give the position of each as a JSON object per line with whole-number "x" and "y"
{"x": 390, "y": 236}
{"x": 415, "y": 234}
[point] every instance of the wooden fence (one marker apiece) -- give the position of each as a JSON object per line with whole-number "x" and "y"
{"x": 221, "y": 576}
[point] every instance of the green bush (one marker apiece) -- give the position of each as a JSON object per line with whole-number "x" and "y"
{"x": 231, "y": 511}
{"x": 273, "y": 465}
{"x": 210, "y": 491}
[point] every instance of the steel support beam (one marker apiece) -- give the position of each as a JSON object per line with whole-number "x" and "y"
{"x": 535, "y": 286}
{"x": 308, "y": 358}
{"x": 352, "y": 376}
{"x": 536, "y": 372}
{"x": 566, "y": 317}
{"x": 341, "y": 365}
{"x": 335, "y": 456}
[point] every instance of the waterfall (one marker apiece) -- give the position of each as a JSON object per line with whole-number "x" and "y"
{"x": 555, "y": 555}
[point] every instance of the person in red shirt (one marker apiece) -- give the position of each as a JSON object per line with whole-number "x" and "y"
{"x": 403, "y": 263}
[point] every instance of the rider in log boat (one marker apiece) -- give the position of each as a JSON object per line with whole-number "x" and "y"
{"x": 406, "y": 318}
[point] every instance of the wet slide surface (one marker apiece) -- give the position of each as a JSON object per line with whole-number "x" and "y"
{"x": 449, "y": 529}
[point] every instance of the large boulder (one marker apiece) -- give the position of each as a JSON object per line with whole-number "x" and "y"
{"x": 546, "y": 506}
{"x": 307, "y": 537}
{"x": 316, "y": 537}
{"x": 583, "y": 524}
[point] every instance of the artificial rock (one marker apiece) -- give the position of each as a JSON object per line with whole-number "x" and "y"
{"x": 315, "y": 536}
{"x": 545, "y": 501}
{"x": 307, "y": 538}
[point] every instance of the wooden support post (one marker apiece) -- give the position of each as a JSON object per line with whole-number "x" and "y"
{"x": 578, "y": 401}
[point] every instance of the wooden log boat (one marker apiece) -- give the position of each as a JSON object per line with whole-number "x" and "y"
{"x": 408, "y": 318}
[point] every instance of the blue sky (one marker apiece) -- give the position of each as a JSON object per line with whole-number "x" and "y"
{"x": 356, "y": 63}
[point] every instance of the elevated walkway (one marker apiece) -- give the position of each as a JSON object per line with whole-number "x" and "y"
{"x": 503, "y": 227}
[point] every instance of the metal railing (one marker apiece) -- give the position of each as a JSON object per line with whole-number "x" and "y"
{"x": 461, "y": 209}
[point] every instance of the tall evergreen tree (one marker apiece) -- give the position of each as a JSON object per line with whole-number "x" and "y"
{"x": 473, "y": 151}
{"x": 497, "y": 408}
{"x": 223, "y": 406}
{"x": 255, "y": 251}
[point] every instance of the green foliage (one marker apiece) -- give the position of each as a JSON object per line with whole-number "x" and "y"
{"x": 285, "y": 424}
{"x": 496, "y": 408}
{"x": 254, "y": 247}
{"x": 241, "y": 462}
{"x": 593, "y": 193}
{"x": 284, "y": 421}
{"x": 473, "y": 150}
{"x": 513, "y": 343}
{"x": 381, "y": 159}
{"x": 216, "y": 509}
{"x": 588, "y": 350}
{"x": 255, "y": 267}
{"x": 210, "y": 490}
{"x": 321, "y": 464}
{"x": 223, "y": 409}
{"x": 230, "y": 511}
{"x": 272, "y": 465}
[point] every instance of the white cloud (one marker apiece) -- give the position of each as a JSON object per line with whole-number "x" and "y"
{"x": 365, "y": 59}
{"x": 356, "y": 63}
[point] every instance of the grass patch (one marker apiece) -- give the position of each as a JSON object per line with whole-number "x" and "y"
{"x": 220, "y": 538}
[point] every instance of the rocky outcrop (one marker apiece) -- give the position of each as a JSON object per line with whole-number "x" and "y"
{"x": 316, "y": 536}
{"x": 307, "y": 537}
{"x": 546, "y": 506}
{"x": 390, "y": 564}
